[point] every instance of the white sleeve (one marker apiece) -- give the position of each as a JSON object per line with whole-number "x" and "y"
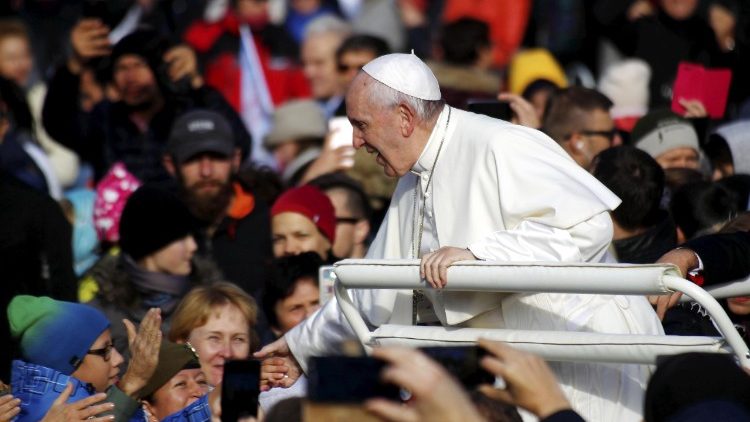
{"x": 533, "y": 241}
{"x": 320, "y": 334}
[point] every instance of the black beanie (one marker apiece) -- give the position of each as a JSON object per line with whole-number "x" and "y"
{"x": 152, "y": 219}
{"x": 684, "y": 380}
{"x": 145, "y": 43}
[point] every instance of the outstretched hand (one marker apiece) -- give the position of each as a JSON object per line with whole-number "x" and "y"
{"x": 279, "y": 367}
{"x": 144, "y": 352}
{"x": 84, "y": 409}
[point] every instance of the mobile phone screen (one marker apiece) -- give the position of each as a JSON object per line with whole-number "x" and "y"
{"x": 326, "y": 281}
{"x": 463, "y": 363}
{"x": 239, "y": 389}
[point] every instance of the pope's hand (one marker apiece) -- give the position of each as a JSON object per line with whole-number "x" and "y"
{"x": 434, "y": 265}
{"x": 279, "y": 367}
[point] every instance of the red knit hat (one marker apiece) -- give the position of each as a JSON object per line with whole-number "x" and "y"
{"x": 313, "y": 204}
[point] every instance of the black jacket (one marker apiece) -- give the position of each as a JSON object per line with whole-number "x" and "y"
{"x": 107, "y": 135}
{"x": 241, "y": 247}
{"x": 36, "y": 255}
{"x": 648, "y": 246}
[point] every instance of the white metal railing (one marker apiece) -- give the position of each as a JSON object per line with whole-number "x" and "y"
{"x": 618, "y": 279}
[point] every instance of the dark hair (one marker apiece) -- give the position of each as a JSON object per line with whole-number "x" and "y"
{"x": 356, "y": 198}
{"x": 717, "y": 150}
{"x": 698, "y": 207}
{"x": 462, "y": 39}
{"x": 637, "y": 179}
{"x": 537, "y": 86}
{"x": 375, "y": 45}
{"x": 567, "y": 111}
{"x": 285, "y": 274}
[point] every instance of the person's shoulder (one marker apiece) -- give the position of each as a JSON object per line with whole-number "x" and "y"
{"x": 495, "y": 132}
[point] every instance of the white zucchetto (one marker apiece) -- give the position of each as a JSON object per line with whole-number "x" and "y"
{"x": 405, "y": 73}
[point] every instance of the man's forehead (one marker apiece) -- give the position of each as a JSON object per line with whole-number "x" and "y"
{"x": 205, "y": 154}
{"x": 129, "y": 58}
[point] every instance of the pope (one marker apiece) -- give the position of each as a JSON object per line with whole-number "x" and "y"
{"x": 472, "y": 187}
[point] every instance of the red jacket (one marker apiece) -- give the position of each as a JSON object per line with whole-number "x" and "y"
{"x": 218, "y": 45}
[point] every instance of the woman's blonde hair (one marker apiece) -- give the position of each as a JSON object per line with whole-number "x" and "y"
{"x": 196, "y": 307}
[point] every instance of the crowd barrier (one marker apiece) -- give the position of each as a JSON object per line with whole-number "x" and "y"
{"x": 581, "y": 278}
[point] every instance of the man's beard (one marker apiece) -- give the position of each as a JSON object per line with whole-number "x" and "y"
{"x": 208, "y": 208}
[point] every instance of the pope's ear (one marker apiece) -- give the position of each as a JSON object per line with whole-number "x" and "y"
{"x": 407, "y": 120}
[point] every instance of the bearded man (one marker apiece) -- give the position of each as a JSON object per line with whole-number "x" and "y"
{"x": 202, "y": 155}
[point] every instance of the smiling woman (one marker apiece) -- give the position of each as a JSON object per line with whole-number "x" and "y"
{"x": 218, "y": 321}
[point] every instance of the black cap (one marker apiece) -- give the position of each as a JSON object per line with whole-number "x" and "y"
{"x": 199, "y": 131}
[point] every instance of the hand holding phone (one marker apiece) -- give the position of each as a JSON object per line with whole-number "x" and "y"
{"x": 240, "y": 388}
{"x": 463, "y": 363}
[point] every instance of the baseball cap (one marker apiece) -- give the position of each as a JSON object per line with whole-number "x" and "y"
{"x": 199, "y": 131}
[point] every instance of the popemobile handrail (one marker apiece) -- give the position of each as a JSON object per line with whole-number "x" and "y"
{"x": 531, "y": 277}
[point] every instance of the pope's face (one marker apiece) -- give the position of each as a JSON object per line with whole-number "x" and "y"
{"x": 377, "y": 129}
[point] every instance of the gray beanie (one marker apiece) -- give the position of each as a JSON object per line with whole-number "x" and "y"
{"x": 296, "y": 120}
{"x": 663, "y": 130}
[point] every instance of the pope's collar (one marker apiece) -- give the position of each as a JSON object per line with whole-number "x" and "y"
{"x": 427, "y": 158}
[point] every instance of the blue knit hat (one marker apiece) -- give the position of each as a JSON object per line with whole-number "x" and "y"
{"x": 53, "y": 333}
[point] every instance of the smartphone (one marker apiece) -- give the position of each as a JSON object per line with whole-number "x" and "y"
{"x": 342, "y": 132}
{"x": 240, "y": 388}
{"x": 493, "y": 108}
{"x": 463, "y": 363}
{"x": 326, "y": 280}
{"x": 347, "y": 379}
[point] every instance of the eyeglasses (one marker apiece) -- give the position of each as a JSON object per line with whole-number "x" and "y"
{"x": 347, "y": 220}
{"x": 609, "y": 134}
{"x": 105, "y": 352}
{"x": 347, "y": 67}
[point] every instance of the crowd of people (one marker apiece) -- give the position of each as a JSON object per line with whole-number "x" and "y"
{"x": 175, "y": 177}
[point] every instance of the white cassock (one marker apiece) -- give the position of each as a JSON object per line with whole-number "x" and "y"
{"x": 508, "y": 193}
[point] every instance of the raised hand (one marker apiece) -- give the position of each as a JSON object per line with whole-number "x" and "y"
{"x": 436, "y": 396}
{"x": 144, "y": 352}
{"x": 89, "y": 39}
{"x": 530, "y": 383}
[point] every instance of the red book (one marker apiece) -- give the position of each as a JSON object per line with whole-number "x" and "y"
{"x": 710, "y": 86}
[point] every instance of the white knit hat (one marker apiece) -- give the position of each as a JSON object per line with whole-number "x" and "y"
{"x": 405, "y": 73}
{"x": 626, "y": 84}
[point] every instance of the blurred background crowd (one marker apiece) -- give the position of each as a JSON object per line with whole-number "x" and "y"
{"x": 188, "y": 155}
